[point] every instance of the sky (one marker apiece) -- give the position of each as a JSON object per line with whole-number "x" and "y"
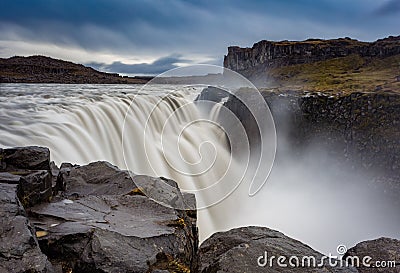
{"x": 149, "y": 37}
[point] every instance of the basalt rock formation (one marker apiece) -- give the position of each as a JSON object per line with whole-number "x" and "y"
{"x": 359, "y": 130}
{"x": 273, "y": 54}
{"x": 319, "y": 64}
{"x": 341, "y": 95}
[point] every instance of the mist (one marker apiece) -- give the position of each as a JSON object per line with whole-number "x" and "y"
{"x": 313, "y": 196}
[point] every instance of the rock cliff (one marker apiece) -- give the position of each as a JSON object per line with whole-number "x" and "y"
{"x": 359, "y": 130}
{"x": 339, "y": 94}
{"x": 275, "y": 54}
{"x": 287, "y": 63}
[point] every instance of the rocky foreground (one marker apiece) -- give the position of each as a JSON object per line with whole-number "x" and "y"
{"x": 94, "y": 218}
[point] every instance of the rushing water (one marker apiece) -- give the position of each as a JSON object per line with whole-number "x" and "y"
{"x": 164, "y": 132}
{"x": 169, "y": 136}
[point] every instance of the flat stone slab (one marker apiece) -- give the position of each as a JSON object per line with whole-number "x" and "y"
{"x": 103, "y": 222}
{"x": 127, "y": 215}
{"x": 9, "y": 178}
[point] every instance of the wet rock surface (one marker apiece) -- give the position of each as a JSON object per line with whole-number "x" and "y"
{"x": 242, "y": 249}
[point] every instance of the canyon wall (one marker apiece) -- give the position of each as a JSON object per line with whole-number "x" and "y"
{"x": 267, "y": 54}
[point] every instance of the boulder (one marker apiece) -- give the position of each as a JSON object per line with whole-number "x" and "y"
{"x": 102, "y": 178}
{"x": 92, "y": 218}
{"x": 97, "y": 178}
{"x": 25, "y": 158}
{"x": 104, "y": 222}
{"x": 19, "y": 248}
{"x": 35, "y": 188}
{"x": 212, "y": 93}
{"x": 384, "y": 253}
{"x": 29, "y": 167}
{"x": 250, "y": 249}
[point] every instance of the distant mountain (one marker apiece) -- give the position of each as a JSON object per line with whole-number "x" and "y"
{"x": 41, "y": 69}
{"x": 339, "y": 65}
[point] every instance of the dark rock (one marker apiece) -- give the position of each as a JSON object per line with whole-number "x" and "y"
{"x": 66, "y": 165}
{"x": 165, "y": 191}
{"x": 35, "y": 188}
{"x": 9, "y": 178}
{"x": 385, "y": 251}
{"x": 25, "y": 158}
{"x": 19, "y": 249}
{"x": 123, "y": 234}
{"x": 212, "y": 93}
{"x": 97, "y": 178}
{"x": 357, "y": 128}
{"x": 267, "y": 54}
{"x": 55, "y": 171}
{"x": 102, "y": 178}
{"x": 239, "y": 250}
{"x": 99, "y": 219}
{"x": 106, "y": 223}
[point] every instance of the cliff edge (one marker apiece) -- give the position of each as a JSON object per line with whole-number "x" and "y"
{"x": 338, "y": 65}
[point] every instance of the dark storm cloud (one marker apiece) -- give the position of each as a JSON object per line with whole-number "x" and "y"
{"x": 154, "y": 68}
{"x": 164, "y": 27}
{"x": 390, "y": 8}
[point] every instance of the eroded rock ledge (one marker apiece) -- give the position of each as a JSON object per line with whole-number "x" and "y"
{"x": 89, "y": 218}
{"x": 94, "y": 218}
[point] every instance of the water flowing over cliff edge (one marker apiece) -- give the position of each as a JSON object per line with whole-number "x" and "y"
{"x": 86, "y": 125}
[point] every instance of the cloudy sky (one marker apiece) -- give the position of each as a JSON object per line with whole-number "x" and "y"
{"x": 149, "y": 37}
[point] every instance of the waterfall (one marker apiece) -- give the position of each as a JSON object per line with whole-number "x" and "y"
{"x": 161, "y": 132}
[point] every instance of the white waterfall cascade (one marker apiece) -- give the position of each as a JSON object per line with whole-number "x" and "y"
{"x": 163, "y": 136}
{"x": 82, "y": 123}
